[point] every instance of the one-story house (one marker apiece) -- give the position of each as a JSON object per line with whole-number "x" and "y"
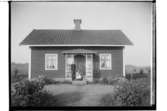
{"x": 76, "y": 53}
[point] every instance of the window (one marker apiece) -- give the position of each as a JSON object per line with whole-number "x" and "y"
{"x": 51, "y": 61}
{"x": 105, "y": 61}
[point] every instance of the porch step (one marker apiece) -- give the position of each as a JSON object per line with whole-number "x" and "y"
{"x": 79, "y": 82}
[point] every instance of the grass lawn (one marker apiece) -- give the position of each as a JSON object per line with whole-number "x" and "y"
{"x": 73, "y": 95}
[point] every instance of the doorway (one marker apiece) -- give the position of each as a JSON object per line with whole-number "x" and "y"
{"x": 79, "y": 70}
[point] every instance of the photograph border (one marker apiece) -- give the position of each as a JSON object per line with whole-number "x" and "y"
{"x": 154, "y": 67}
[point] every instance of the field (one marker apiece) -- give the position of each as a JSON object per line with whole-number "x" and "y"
{"x": 18, "y": 72}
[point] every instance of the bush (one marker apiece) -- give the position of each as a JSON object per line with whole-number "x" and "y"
{"x": 30, "y": 93}
{"x": 45, "y": 80}
{"x": 117, "y": 81}
{"x": 104, "y": 80}
{"x": 136, "y": 76}
{"x": 112, "y": 81}
{"x": 130, "y": 95}
{"x": 134, "y": 93}
{"x": 66, "y": 82}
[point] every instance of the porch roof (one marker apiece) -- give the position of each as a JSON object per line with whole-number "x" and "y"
{"x": 78, "y": 51}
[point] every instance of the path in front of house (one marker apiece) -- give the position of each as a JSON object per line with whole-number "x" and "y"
{"x": 90, "y": 94}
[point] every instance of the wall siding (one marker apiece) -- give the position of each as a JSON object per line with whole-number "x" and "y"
{"x": 38, "y": 61}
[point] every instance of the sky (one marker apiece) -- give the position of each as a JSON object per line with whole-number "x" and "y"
{"x": 133, "y": 18}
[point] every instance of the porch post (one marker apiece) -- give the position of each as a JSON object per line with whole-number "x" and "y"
{"x": 124, "y": 62}
{"x": 68, "y": 61}
{"x": 89, "y": 67}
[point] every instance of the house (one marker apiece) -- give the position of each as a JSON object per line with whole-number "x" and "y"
{"x": 77, "y": 53}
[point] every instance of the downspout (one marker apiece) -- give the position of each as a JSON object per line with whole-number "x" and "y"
{"x": 124, "y": 75}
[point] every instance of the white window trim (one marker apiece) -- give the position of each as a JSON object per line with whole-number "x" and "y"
{"x": 124, "y": 74}
{"x": 51, "y": 54}
{"x": 101, "y": 54}
{"x": 89, "y": 77}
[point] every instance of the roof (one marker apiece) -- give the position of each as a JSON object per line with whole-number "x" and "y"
{"x": 78, "y": 51}
{"x": 73, "y": 37}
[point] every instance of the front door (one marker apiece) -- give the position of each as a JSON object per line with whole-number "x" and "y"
{"x": 79, "y": 65}
{"x": 79, "y": 61}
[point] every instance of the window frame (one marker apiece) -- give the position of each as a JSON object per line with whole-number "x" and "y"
{"x": 46, "y": 58}
{"x": 110, "y": 56}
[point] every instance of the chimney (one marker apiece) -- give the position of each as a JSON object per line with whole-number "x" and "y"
{"x": 77, "y": 23}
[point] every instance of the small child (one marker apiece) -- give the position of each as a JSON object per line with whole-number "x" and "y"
{"x": 78, "y": 75}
